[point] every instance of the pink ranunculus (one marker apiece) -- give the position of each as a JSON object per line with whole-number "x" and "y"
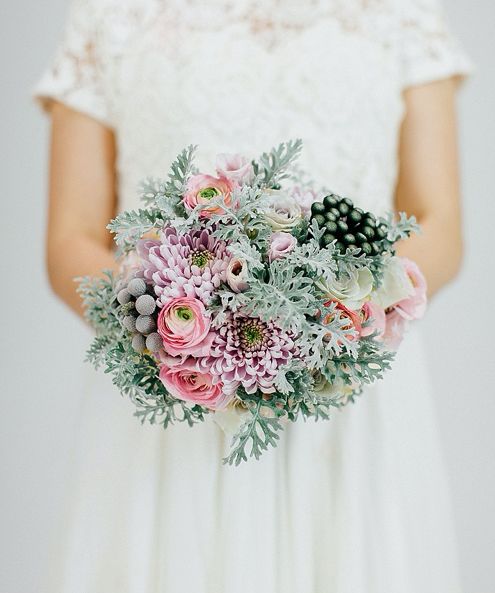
{"x": 413, "y": 306}
{"x": 354, "y": 321}
{"x": 187, "y": 383}
{"x": 185, "y": 327}
{"x": 201, "y": 189}
{"x": 376, "y": 315}
{"x": 281, "y": 244}
{"x": 235, "y": 167}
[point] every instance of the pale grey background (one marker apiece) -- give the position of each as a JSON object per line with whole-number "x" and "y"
{"x": 42, "y": 343}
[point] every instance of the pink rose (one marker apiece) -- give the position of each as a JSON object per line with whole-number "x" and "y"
{"x": 395, "y": 328}
{"x": 413, "y": 306}
{"x": 187, "y": 383}
{"x": 237, "y": 274}
{"x": 376, "y": 315}
{"x": 281, "y": 244}
{"x": 201, "y": 189}
{"x": 235, "y": 167}
{"x": 185, "y": 327}
{"x": 406, "y": 310}
{"x": 306, "y": 197}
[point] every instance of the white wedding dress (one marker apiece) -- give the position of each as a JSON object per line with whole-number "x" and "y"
{"x": 357, "y": 504}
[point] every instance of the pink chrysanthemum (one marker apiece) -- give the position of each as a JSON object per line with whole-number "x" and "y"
{"x": 192, "y": 264}
{"x": 248, "y": 352}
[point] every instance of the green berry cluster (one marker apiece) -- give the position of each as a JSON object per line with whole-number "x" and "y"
{"x": 139, "y": 312}
{"x": 349, "y": 226}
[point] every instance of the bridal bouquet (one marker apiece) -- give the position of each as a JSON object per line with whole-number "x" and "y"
{"x": 251, "y": 296}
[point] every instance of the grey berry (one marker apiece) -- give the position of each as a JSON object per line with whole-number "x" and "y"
{"x": 145, "y": 324}
{"x": 138, "y": 343}
{"x": 123, "y": 296}
{"x": 137, "y": 287}
{"x": 154, "y": 342}
{"x": 129, "y": 322}
{"x": 120, "y": 285}
{"x": 145, "y": 304}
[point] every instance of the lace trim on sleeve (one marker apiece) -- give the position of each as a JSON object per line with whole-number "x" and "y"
{"x": 429, "y": 49}
{"x": 75, "y": 76}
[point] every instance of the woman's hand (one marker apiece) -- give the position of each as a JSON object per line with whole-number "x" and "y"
{"x": 82, "y": 201}
{"x": 428, "y": 183}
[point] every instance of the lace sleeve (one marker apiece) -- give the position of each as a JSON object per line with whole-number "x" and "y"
{"x": 429, "y": 50}
{"x": 75, "y": 76}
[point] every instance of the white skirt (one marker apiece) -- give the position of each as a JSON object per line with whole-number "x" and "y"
{"x": 357, "y": 504}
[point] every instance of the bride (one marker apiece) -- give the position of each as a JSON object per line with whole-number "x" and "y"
{"x": 354, "y": 505}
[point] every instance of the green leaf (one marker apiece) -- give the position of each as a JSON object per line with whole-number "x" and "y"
{"x": 180, "y": 171}
{"x": 368, "y": 366}
{"x": 272, "y": 166}
{"x": 401, "y": 228}
{"x": 99, "y": 302}
{"x": 255, "y": 436}
{"x": 97, "y": 352}
{"x": 131, "y": 225}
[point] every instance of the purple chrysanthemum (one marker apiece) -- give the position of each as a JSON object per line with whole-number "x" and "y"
{"x": 249, "y": 352}
{"x": 192, "y": 264}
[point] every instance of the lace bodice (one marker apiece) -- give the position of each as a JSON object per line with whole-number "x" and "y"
{"x": 242, "y": 75}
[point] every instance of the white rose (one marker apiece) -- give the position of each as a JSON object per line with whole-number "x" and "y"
{"x": 231, "y": 419}
{"x": 351, "y": 291}
{"x": 282, "y": 213}
{"x": 237, "y": 274}
{"x": 338, "y": 389}
{"x": 396, "y": 284}
{"x": 320, "y": 382}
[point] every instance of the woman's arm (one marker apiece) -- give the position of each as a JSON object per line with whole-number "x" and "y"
{"x": 428, "y": 183}
{"x": 81, "y": 201}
